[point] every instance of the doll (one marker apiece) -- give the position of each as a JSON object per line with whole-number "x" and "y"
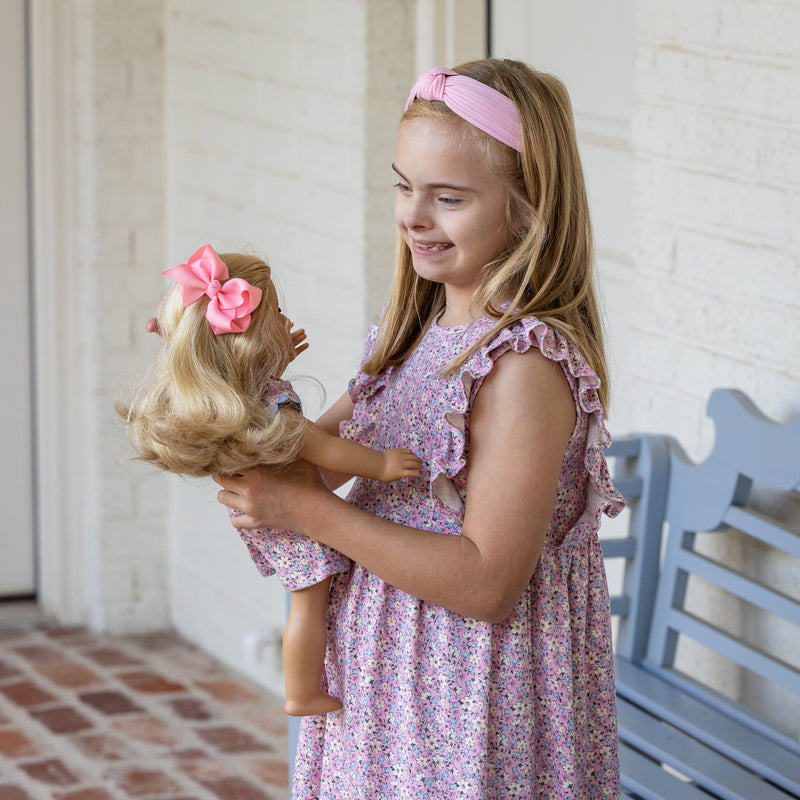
{"x": 215, "y": 404}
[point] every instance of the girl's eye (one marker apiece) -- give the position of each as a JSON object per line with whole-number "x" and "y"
{"x": 402, "y": 187}
{"x": 449, "y": 201}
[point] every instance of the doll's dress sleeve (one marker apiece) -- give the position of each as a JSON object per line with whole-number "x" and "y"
{"x": 298, "y": 561}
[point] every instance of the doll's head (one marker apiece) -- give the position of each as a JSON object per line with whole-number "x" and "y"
{"x": 199, "y": 411}
{"x": 249, "y": 358}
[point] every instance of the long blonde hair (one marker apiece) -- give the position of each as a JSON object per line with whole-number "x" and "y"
{"x": 199, "y": 411}
{"x": 546, "y": 271}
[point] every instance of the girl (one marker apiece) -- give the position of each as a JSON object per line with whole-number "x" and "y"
{"x": 215, "y": 404}
{"x": 471, "y": 641}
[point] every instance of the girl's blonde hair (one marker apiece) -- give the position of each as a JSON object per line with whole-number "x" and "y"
{"x": 546, "y": 270}
{"x": 199, "y": 411}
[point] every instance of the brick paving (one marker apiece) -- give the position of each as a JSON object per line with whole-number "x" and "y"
{"x": 89, "y": 717}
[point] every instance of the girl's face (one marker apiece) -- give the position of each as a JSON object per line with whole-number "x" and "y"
{"x": 450, "y": 206}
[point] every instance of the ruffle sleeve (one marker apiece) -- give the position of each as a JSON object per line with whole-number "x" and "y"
{"x": 448, "y": 455}
{"x": 363, "y": 387}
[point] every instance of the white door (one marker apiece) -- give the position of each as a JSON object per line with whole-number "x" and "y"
{"x": 590, "y": 46}
{"x": 16, "y": 437}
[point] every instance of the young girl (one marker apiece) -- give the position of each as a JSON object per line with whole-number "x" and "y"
{"x": 471, "y": 641}
{"x": 215, "y": 404}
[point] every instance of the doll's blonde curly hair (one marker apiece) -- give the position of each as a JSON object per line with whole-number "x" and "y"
{"x": 199, "y": 411}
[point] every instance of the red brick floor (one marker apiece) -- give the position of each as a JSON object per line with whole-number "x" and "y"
{"x": 88, "y": 717}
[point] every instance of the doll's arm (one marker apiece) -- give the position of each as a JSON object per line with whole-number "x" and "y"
{"x": 350, "y": 458}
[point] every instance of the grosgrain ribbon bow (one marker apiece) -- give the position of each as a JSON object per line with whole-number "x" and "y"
{"x": 232, "y": 299}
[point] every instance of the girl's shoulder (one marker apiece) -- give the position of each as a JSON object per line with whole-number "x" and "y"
{"x": 529, "y": 332}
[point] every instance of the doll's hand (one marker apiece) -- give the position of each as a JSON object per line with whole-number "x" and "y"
{"x": 151, "y": 326}
{"x": 298, "y": 337}
{"x": 297, "y": 344}
{"x": 399, "y": 462}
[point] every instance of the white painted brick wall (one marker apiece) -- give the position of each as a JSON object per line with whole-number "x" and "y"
{"x": 717, "y": 250}
{"x": 716, "y": 133}
{"x": 119, "y": 117}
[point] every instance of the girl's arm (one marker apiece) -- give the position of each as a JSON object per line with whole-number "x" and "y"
{"x": 520, "y": 424}
{"x": 350, "y": 458}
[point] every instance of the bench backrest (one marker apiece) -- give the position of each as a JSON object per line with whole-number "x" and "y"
{"x": 641, "y": 471}
{"x": 729, "y": 518}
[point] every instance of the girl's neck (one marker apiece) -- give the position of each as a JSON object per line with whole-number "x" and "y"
{"x": 458, "y": 309}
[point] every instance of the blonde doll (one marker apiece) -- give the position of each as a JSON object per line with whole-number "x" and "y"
{"x": 215, "y": 404}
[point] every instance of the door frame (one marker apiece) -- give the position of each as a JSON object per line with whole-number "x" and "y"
{"x": 59, "y": 449}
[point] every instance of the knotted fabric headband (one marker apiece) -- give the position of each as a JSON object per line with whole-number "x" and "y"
{"x": 232, "y": 299}
{"x": 477, "y": 103}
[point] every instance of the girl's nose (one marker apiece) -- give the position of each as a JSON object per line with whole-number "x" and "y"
{"x": 415, "y": 213}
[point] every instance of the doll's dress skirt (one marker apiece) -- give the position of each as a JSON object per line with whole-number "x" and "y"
{"x": 437, "y": 705}
{"x": 298, "y": 561}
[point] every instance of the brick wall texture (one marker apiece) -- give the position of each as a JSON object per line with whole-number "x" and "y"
{"x": 716, "y": 134}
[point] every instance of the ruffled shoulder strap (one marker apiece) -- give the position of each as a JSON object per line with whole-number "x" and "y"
{"x": 462, "y": 387}
{"x": 364, "y": 386}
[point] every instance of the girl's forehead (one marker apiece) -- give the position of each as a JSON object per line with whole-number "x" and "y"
{"x": 445, "y": 134}
{"x": 440, "y": 150}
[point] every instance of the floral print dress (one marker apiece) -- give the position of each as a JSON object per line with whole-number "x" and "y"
{"x": 437, "y": 706}
{"x": 298, "y": 561}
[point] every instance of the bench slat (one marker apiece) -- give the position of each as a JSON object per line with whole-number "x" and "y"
{"x": 649, "y": 781}
{"x": 734, "y": 649}
{"x": 698, "y": 718}
{"x": 629, "y": 487}
{"x": 763, "y": 528}
{"x": 740, "y": 585}
{"x": 624, "y": 547}
{"x": 624, "y": 447}
{"x": 620, "y": 605}
{"x": 691, "y": 757}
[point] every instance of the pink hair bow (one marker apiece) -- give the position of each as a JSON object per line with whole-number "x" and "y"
{"x": 473, "y": 101}
{"x": 232, "y": 299}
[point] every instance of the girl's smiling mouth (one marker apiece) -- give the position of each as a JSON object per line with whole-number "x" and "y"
{"x": 430, "y": 247}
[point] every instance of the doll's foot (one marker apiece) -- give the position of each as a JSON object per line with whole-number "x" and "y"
{"x": 308, "y": 707}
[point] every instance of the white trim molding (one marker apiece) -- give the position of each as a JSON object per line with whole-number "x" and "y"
{"x": 60, "y": 448}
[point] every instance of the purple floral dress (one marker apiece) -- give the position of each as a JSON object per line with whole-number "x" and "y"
{"x": 437, "y": 706}
{"x": 297, "y": 560}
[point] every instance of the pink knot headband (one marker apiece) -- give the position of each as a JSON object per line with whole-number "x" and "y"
{"x": 477, "y": 103}
{"x": 232, "y": 299}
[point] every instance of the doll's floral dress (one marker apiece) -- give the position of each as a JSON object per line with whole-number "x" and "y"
{"x": 298, "y": 561}
{"x": 437, "y": 706}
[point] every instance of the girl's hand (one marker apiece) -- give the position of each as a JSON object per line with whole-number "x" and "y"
{"x": 399, "y": 462}
{"x": 151, "y": 326}
{"x": 269, "y": 499}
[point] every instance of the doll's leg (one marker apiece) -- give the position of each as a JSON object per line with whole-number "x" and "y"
{"x": 304, "y": 641}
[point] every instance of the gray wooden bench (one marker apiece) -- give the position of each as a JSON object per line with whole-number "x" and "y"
{"x": 711, "y": 562}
